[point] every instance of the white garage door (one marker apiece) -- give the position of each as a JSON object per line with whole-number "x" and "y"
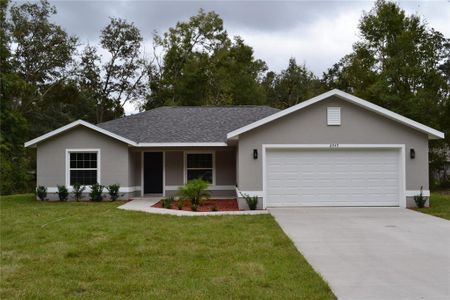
{"x": 332, "y": 177}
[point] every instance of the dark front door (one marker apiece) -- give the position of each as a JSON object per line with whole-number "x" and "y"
{"x": 153, "y": 172}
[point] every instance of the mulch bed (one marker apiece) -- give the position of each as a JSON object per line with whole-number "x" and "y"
{"x": 221, "y": 204}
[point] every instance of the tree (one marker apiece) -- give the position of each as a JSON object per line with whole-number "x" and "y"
{"x": 196, "y": 63}
{"x": 292, "y": 86}
{"x": 400, "y": 64}
{"x": 13, "y": 127}
{"x": 120, "y": 79}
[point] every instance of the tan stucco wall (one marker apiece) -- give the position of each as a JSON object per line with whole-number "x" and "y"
{"x": 309, "y": 126}
{"x": 51, "y": 157}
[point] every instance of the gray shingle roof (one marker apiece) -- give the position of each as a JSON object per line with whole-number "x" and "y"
{"x": 186, "y": 124}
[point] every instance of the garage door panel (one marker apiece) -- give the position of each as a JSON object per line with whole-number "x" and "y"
{"x": 361, "y": 177}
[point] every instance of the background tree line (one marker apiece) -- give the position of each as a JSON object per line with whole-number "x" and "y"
{"x": 46, "y": 81}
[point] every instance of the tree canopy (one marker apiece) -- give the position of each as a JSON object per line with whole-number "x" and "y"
{"x": 48, "y": 79}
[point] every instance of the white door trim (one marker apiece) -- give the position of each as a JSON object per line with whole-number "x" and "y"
{"x": 399, "y": 147}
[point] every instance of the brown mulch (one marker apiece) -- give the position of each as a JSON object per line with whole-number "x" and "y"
{"x": 221, "y": 204}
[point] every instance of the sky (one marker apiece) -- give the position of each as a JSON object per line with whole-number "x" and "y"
{"x": 316, "y": 33}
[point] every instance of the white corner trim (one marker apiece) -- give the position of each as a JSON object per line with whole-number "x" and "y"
{"x": 432, "y": 133}
{"x": 219, "y": 144}
{"x": 412, "y": 193}
{"x": 74, "y": 124}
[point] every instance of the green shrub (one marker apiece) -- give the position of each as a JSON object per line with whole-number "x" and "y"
{"x": 96, "y": 193}
{"x": 195, "y": 191}
{"x": 420, "y": 199}
{"x": 78, "y": 191}
{"x": 180, "y": 204}
{"x": 63, "y": 193}
{"x": 41, "y": 192}
{"x": 252, "y": 201}
{"x": 167, "y": 202}
{"x": 194, "y": 207}
{"x": 113, "y": 191}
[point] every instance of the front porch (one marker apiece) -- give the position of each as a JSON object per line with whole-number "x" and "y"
{"x": 159, "y": 172}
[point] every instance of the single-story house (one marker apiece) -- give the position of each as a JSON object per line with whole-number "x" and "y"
{"x": 332, "y": 150}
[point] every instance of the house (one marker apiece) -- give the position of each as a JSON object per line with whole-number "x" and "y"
{"x": 332, "y": 150}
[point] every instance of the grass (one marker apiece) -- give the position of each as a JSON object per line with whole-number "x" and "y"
{"x": 440, "y": 206}
{"x": 93, "y": 250}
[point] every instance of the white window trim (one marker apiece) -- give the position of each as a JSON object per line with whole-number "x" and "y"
{"x": 334, "y": 108}
{"x": 185, "y": 169}
{"x": 68, "y": 151}
{"x": 399, "y": 147}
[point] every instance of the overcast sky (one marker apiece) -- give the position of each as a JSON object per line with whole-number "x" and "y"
{"x": 315, "y": 33}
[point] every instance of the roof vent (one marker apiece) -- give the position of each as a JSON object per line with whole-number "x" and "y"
{"x": 334, "y": 116}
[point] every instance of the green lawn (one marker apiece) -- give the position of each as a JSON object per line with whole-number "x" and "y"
{"x": 440, "y": 206}
{"x": 93, "y": 250}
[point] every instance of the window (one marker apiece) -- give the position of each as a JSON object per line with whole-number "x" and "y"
{"x": 334, "y": 116}
{"x": 83, "y": 167}
{"x": 199, "y": 165}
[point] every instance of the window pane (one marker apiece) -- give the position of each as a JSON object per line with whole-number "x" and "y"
{"x": 83, "y": 160}
{"x": 83, "y": 177}
{"x": 200, "y": 174}
{"x": 199, "y": 160}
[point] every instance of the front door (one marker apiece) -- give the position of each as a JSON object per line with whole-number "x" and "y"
{"x": 153, "y": 172}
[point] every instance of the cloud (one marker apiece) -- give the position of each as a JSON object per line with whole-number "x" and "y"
{"x": 317, "y": 33}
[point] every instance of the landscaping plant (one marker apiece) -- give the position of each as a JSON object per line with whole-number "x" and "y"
{"x": 180, "y": 204}
{"x": 420, "y": 199}
{"x": 96, "y": 193}
{"x": 195, "y": 191}
{"x": 41, "y": 192}
{"x": 78, "y": 190}
{"x": 252, "y": 201}
{"x": 167, "y": 202}
{"x": 113, "y": 191}
{"x": 194, "y": 207}
{"x": 63, "y": 193}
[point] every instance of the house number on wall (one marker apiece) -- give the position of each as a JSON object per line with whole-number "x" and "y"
{"x": 334, "y": 145}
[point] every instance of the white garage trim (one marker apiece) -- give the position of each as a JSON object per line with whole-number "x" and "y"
{"x": 399, "y": 147}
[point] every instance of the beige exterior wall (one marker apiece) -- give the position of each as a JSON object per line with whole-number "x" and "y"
{"x": 51, "y": 157}
{"x": 309, "y": 126}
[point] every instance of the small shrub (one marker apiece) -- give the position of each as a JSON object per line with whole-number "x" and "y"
{"x": 96, "y": 193}
{"x": 41, "y": 192}
{"x": 214, "y": 208}
{"x": 78, "y": 191}
{"x": 167, "y": 202}
{"x": 252, "y": 201}
{"x": 194, "y": 207}
{"x": 420, "y": 199}
{"x": 180, "y": 204}
{"x": 63, "y": 193}
{"x": 195, "y": 191}
{"x": 113, "y": 191}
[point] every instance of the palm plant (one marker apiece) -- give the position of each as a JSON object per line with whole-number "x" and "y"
{"x": 195, "y": 191}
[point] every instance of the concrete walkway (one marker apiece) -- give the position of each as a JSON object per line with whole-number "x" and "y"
{"x": 145, "y": 205}
{"x": 373, "y": 253}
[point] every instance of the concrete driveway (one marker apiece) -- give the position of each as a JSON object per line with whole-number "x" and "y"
{"x": 373, "y": 253}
